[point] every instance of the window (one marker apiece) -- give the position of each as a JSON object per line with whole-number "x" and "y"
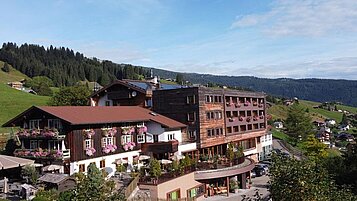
{"x": 191, "y": 116}
{"x": 173, "y": 195}
{"x": 35, "y": 124}
{"x": 219, "y": 115}
{"x": 209, "y": 132}
{"x": 149, "y": 137}
{"x": 191, "y": 100}
{"x": 195, "y": 192}
{"x": 148, "y": 102}
{"x": 82, "y": 168}
{"x": 125, "y": 139}
{"x": 53, "y": 144}
{"x": 141, "y": 138}
{"x": 88, "y": 143}
{"x": 54, "y": 123}
{"x": 102, "y": 164}
{"x": 33, "y": 144}
{"x": 192, "y": 134}
{"x": 107, "y": 103}
{"x": 93, "y": 163}
{"x": 209, "y": 99}
{"x": 107, "y": 140}
{"x": 218, "y": 131}
{"x": 171, "y": 136}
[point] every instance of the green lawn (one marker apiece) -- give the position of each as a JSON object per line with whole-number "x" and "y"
{"x": 347, "y": 108}
{"x": 280, "y": 135}
{"x": 13, "y": 102}
{"x": 281, "y": 111}
{"x": 13, "y": 75}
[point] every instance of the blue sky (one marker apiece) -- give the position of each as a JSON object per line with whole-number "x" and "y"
{"x": 282, "y": 38}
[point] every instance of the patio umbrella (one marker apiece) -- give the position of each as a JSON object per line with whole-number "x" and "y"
{"x": 143, "y": 157}
{"x": 165, "y": 161}
{"x": 8, "y": 162}
{"x": 177, "y": 157}
{"x": 121, "y": 161}
{"x": 50, "y": 168}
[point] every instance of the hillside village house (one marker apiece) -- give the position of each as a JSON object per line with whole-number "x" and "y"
{"x": 75, "y": 136}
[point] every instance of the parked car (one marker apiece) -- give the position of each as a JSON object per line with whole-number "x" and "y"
{"x": 265, "y": 166}
{"x": 259, "y": 171}
{"x": 252, "y": 174}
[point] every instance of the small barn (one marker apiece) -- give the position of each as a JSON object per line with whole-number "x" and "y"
{"x": 60, "y": 182}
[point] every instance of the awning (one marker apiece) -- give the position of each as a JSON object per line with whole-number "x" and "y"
{"x": 121, "y": 161}
{"x": 7, "y": 162}
{"x": 143, "y": 157}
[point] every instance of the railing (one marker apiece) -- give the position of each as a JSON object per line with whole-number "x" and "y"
{"x": 39, "y": 133}
{"x": 131, "y": 187}
{"x": 165, "y": 177}
{"x": 160, "y": 147}
{"x": 42, "y": 154}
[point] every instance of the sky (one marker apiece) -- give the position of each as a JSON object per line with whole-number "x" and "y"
{"x": 262, "y": 38}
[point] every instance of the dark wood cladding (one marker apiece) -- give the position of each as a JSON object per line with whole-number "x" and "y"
{"x": 122, "y": 95}
{"x": 76, "y": 144}
{"x": 173, "y": 104}
{"x": 212, "y": 123}
{"x": 160, "y": 147}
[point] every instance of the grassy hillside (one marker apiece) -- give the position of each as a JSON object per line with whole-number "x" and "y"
{"x": 281, "y": 111}
{"x": 13, "y": 75}
{"x": 13, "y": 102}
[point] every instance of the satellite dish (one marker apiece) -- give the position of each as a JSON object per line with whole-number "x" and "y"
{"x": 133, "y": 94}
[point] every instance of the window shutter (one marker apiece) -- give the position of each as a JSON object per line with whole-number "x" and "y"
{"x": 84, "y": 144}
{"x": 92, "y": 143}
{"x": 102, "y": 142}
{"x": 114, "y": 140}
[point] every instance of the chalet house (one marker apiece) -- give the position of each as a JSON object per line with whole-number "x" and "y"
{"x": 128, "y": 93}
{"x": 330, "y": 122}
{"x": 16, "y": 85}
{"x": 75, "y": 136}
{"x": 318, "y": 123}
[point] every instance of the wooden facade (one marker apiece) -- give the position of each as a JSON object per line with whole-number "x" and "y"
{"x": 217, "y": 113}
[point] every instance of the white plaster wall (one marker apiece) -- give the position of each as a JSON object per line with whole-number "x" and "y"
{"x": 156, "y": 129}
{"x": 186, "y": 147}
{"x": 102, "y": 100}
{"x": 109, "y": 161}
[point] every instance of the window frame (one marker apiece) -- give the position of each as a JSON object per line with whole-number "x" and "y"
{"x": 82, "y": 168}
{"x": 31, "y": 123}
{"x": 141, "y": 138}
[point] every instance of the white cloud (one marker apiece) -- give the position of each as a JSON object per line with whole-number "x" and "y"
{"x": 304, "y": 17}
{"x": 337, "y": 68}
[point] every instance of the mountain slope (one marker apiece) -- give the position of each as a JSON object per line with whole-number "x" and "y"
{"x": 319, "y": 90}
{"x": 13, "y": 102}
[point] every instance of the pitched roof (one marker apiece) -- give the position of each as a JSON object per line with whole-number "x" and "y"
{"x": 81, "y": 115}
{"x": 53, "y": 178}
{"x": 119, "y": 82}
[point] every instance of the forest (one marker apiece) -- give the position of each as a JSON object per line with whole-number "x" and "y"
{"x": 64, "y": 66}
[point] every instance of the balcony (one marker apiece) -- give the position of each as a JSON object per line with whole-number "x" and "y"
{"x": 225, "y": 171}
{"x": 160, "y": 147}
{"x": 39, "y": 134}
{"x": 43, "y": 154}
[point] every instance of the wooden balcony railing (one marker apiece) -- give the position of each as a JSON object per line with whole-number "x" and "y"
{"x": 42, "y": 153}
{"x": 160, "y": 147}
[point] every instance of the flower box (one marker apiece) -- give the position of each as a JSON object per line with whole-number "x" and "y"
{"x": 241, "y": 118}
{"x": 247, "y": 103}
{"x": 88, "y": 133}
{"x": 128, "y": 130}
{"x": 110, "y": 148}
{"x": 109, "y": 131}
{"x": 237, "y": 105}
{"x": 248, "y": 119}
{"x": 129, "y": 146}
{"x": 90, "y": 151}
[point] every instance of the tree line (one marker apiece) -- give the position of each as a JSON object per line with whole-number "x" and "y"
{"x": 64, "y": 66}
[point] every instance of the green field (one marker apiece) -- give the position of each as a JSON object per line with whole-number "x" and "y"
{"x": 281, "y": 111}
{"x": 12, "y": 101}
{"x": 13, "y": 75}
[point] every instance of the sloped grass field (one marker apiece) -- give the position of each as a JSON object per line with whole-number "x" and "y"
{"x": 281, "y": 111}
{"x": 13, "y": 102}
